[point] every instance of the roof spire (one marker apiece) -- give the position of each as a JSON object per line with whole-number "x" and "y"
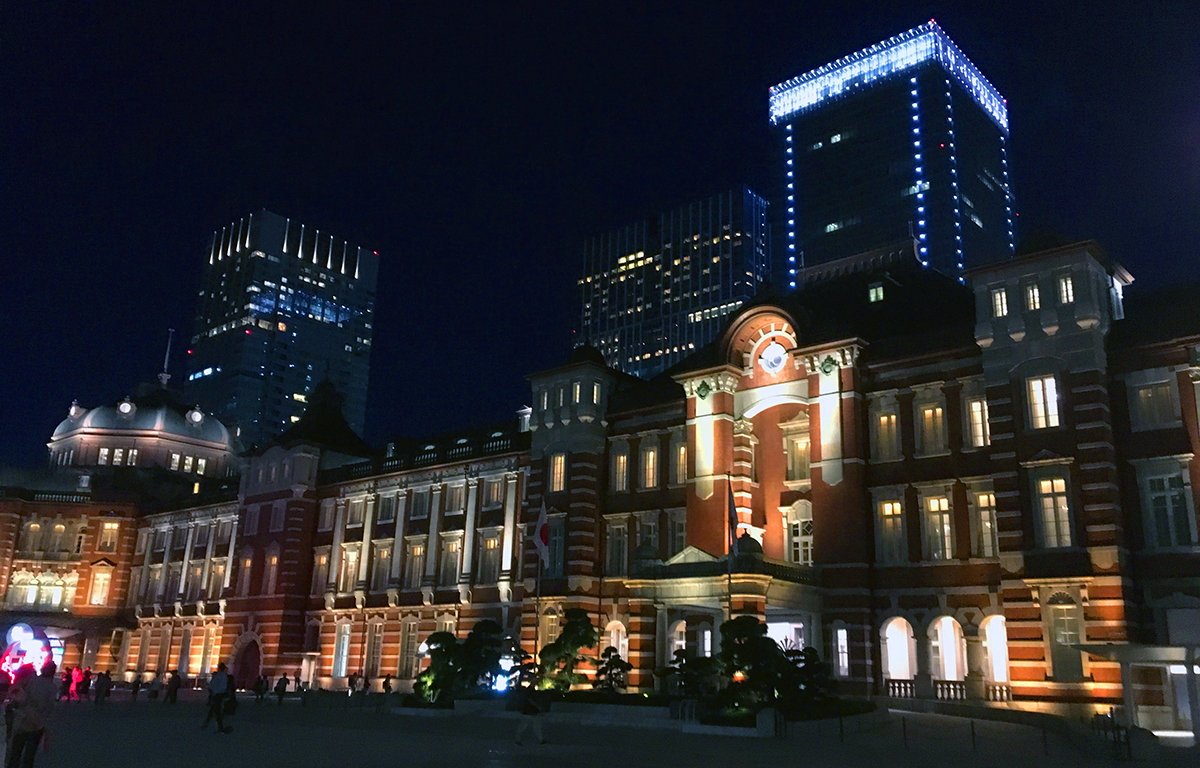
{"x": 164, "y": 377}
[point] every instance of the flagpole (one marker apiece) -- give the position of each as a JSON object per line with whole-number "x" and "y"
{"x": 537, "y": 624}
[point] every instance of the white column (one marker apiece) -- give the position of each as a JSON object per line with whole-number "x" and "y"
{"x": 510, "y": 526}
{"x": 208, "y": 556}
{"x": 367, "y": 553}
{"x": 229, "y": 559}
{"x": 398, "y": 541}
{"x": 464, "y": 576}
{"x": 335, "y": 551}
{"x": 166, "y": 571}
{"x": 187, "y": 560}
{"x": 1191, "y": 659}
{"x": 431, "y": 542}
{"x": 1127, "y": 694}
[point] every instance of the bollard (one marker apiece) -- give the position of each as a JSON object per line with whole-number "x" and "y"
{"x": 904, "y": 730}
{"x": 973, "y": 736}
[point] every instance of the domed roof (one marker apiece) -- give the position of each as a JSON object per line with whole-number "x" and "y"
{"x": 152, "y": 410}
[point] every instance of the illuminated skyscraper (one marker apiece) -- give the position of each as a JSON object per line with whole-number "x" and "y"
{"x": 283, "y": 305}
{"x": 904, "y": 140}
{"x": 654, "y": 291}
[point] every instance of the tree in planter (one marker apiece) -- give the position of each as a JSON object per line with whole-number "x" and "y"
{"x": 558, "y": 658}
{"x": 805, "y": 683}
{"x": 477, "y": 659}
{"x": 612, "y": 672}
{"x": 436, "y": 682}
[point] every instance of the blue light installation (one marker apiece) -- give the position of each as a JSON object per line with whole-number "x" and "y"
{"x": 885, "y": 59}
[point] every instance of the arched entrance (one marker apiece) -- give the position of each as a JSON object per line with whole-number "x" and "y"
{"x": 247, "y": 665}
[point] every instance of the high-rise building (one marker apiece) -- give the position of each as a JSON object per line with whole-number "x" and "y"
{"x": 656, "y": 290}
{"x": 904, "y": 140}
{"x": 283, "y": 305}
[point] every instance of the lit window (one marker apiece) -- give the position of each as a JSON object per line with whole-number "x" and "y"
{"x": 797, "y": 458}
{"x": 841, "y": 648}
{"x": 1033, "y": 297}
{"x": 986, "y": 535}
{"x": 133, "y": 453}
{"x": 451, "y": 551}
{"x": 200, "y": 465}
{"x": 575, "y": 392}
{"x": 1066, "y": 289}
{"x": 649, "y": 473}
{"x": 678, "y": 522}
{"x": 977, "y": 414}
{"x": 320, "y": 573}
{"x": 681, "y": 463}
{"x": 493, "y": 493}
{"x": 456, "y": 498}
{"x": 108, "y": 537}
{"x": 545, "y": 399}
{"x": 620, "y": 473}
{"x": 999, "y": 302}
{"x": 102, "y": 459}
{"x": 1043, "y": 402}
{"x": 187, "y": 463}
{"x": 875, "y": 293}
{"x": 1055, "y": 512}
{"x": 800, "y": 536}
{"x": 887, "y": 437}
{"x": 933, "y": 429}
{"x": 341, "y": 650}
{"x": 99, "y": 592}
{"x": 595, "y": 392}
{"x": 118, "y": 457}
{"x": 939, "y": 532}
{"x": 893, "y": 548}
{"x": 489, "y": 560}
{"x": 558, "y": 472}
{"x": 414, "y": 569}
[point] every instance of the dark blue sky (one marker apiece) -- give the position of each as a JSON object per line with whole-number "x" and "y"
{"x": 475, "y": 145}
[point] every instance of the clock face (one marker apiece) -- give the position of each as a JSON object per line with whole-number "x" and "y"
{"x": 125, "y": 407}
{"x": 773, "y": 358}
{"x": 195, "y": 417}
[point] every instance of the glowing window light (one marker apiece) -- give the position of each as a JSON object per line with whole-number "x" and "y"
{"x": 892, "y": 56}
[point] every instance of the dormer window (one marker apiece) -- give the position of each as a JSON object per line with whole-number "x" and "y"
{"x": 875, "y": 292}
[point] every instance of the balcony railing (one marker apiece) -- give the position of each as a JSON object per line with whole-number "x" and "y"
{"x": 950, "y": 690}
{"x": 901, "y": 689}
{"x": 998, "y": 692}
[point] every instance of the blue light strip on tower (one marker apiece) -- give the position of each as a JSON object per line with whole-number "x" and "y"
{"x": 892, "y": 56}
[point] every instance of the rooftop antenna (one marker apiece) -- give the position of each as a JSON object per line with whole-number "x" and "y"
{"x": 164, "y": 377}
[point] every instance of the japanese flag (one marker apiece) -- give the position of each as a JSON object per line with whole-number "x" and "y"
{"x": 541, "y": 536}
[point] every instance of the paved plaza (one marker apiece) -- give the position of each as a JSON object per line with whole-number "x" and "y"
{"x": 127, "y": 734}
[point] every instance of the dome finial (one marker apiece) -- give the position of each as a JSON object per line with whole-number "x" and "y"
{"x": 164, "y": 377}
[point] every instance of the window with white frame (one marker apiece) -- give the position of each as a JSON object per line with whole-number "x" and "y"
{"x": 278, "y": 514}
{"x": 408, "y": 649}
{"x": 575, "y": 392}
{"x": 216, "y": 580}
{"x": 451, "y": 554}
{"x": 341, "y": 650}
{"x": 320, "y": 573}
{"x": 201, "y": 464}
{"x": 101, "y": 581}
{"x": 1169, "y": 516}
{"x": 978, "y": 433}
{"x": 892, "y": 546}
{"x": 678, "y": 522}
{"x": 558, "y": 472}
{"x": 325, "y": 520}
{"x": 250, "y": 525}
{"x": 595, "y": 393}
{"x": 493, "y": 493}
{"x": 841, "y": 652}
{"x": 374, "y": 650}
{"x": 187, "y": 463}
{"x": 102, "y": 457}
{"x": 1033, "y": 296}
{"x": 680, "y": 465}
{"x": 1042, "y": 392}
{"x": 270, "y": 573}
{"x": 118, "y": 457}
{"x": 414, "y": 565}
{"x": 348, "y": 568}
{"x": 420, "y": 504}
{"x": 797, "y": 447}
{"x": 939, "y": 528}
{"x": 800, "y": 534}
{"x": 174, "y": 462}
{"x": 456, "y": 498}
{"x": 1066, "y": 290}
{"x": 1054, "y": 511}
{"x": 999, "y": 302}
{"x": 381, "y": 567}
{"x": 247, "y": 566}
{"x": 620, "y": 471}
{"x": 986, "y": 539}
{"x": 108, "y": 536}
{"x": 489, "y": 560}
{"x": 387, "y": 508}
{"x": 356, "y": 513}
{"x": 649, "y": 466}
{"x": 618, "y": 549}
{"x": 931, "y": 428}
{"x": 887, "y": 436}
{"x": 648, "y": 529}
{"x": 1153, "y": 405}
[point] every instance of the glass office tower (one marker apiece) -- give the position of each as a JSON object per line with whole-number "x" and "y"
{"x": 904, "y": 140}
{"x": 656, "y": 290}
{"x": 283, "y": 305}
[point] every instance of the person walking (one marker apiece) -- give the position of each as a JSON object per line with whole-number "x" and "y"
{"x": 281, "y": 688}
{"x": 85, "y": 691}
{"x": 220, "y": 688}
{"x": 103, "y": 686}
{"x": 173, "y": 683}
{"x": 135, "y": 686}
{"x": 76, "y": 683}
{"x": 296, "y": 682}
{"x": 155, "y": 686}
{"x": 387, "y": 684}
{"x": 64, "y": 690}
{"x": 33, "y": 700}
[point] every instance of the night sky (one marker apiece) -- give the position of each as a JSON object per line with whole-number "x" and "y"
{"x": 475, "y": 146}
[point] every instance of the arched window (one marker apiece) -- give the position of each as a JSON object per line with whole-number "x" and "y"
{"x": 800, "y": 533}
{"x": 947, "y": 651}
{"x": 677, "y": 637}
{"x": 615, "y": 636}
{"x": 995, "y": 648}
{"x": 899, "y": 649}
